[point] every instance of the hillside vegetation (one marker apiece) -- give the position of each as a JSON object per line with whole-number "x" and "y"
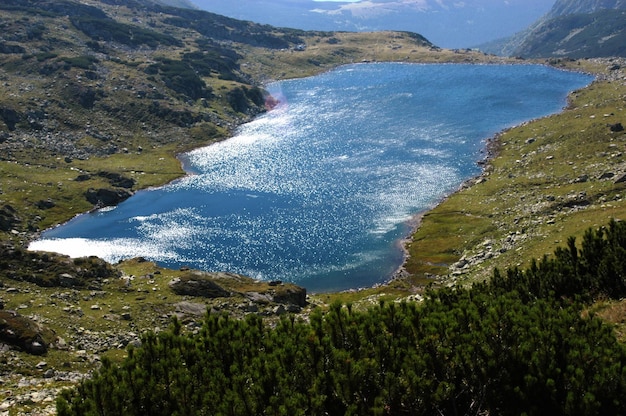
{"x": 517, "y": 345}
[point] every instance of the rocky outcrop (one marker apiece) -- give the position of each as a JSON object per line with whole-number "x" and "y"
{"x": 290, "y": 295}
{"x": 105, "y": 197}
{"x": 198, "y": 285}
{"x": 569, "y": 7}
{"x": 117, "y": 180}
{"x": 8, "y": 218}
{"x": 23, "y": 333}
{"x": 10, "y": 117}
{"x": 284, "y": 294}
{"x": 51, "y": 269}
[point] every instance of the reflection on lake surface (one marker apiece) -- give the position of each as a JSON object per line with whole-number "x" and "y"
{"x": 320, "y": 190}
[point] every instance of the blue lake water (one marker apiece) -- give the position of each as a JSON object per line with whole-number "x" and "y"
{"x": 320, "y": 190}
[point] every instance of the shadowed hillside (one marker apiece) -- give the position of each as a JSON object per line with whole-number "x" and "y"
{"x": 574, "y": 29}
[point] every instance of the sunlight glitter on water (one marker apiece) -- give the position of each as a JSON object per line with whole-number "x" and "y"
{"x": 320, "y": 190}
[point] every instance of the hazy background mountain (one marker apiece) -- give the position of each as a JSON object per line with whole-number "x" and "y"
{"x": 177, "y": 3}
{"x": 446, "y": 23}
{"x": 572, "y": 28}
{"x": 567, "y": 7}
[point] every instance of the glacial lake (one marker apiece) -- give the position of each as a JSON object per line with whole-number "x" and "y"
{"x": 321, "y": 190}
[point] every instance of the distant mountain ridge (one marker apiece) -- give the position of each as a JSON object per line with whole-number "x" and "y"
{"x": 573, "y": 29}
{"x": 446, "y": 23}
{"x": 568, "y": 7}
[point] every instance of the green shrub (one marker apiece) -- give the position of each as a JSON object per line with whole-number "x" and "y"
{"x": 484, "y": 350}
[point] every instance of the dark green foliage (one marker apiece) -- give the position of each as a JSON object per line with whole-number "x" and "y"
{"x": 596, "y": 269}
{"x": 153, "y": 112}
{"x": 36, "y": 32}
{"x": 44, "y": 56}
{"x": 215, "y": 60}
{"x": 180, "y": 77}
{"x": 83, "y": 62}
{"x": 224, "y": 28}
{"x": 241, "y": 99}
{"x": 83, "y": 95}
{"x": 10, "y": 117}
{"x": 462, "y": 352}
{"x": 105, "y": 29}
{"x": 484, "y": 350}
{"x": 238, "y": 100}
{"x": 52, "y": 8}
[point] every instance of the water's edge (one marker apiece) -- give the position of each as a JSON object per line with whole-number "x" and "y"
{"x": 412, "y": 225}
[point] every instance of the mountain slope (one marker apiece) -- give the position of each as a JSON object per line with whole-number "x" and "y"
{"x": 449, "y": 24}
{"x": 572, "y": 28}
{"x": 598, "y": 34}
{"x": 568, "y": 7}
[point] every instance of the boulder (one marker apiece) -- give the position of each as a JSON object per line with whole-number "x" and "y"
{"x": 8, "y": 218}
{"x": 107, "y": 196}
{"x": 290, "y": 295}
{"x": 616, "y": 128}
{"x": 277, "y": 292}
{"x": 117, "y": 180}
{"x": 10, "y": 117}
{"x": 23, "y": 333}
{"x": 197, "y": 286}
{"x": 606, "y": 175}
{"x": 190, "y": 308}
{"x": 68, "y": 280}
{"x": 45, "y": 204}
{"x": 83, "y": 177}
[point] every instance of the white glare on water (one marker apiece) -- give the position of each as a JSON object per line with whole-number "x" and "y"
{"x": 319, "y": 190}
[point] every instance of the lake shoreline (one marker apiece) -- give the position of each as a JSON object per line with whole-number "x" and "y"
{"x": 414, "y": 223}
{"x": 492, "y": 151}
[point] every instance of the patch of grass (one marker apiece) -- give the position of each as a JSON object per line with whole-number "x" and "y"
{"x": 325, "y": 51}
{"x": 613, "y": 312}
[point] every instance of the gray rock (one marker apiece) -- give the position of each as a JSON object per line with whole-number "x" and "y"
{"x": 107, "y": 196}
{"x": 279, "y": 310}
{"x": 290, "y": 295}
{"x": 198, "y": 286}
{"x": 190, "y": 308}
{"x": 67, "y": 280}
{"x": 259, "y": 298}
{"x": 606, "y": 175}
